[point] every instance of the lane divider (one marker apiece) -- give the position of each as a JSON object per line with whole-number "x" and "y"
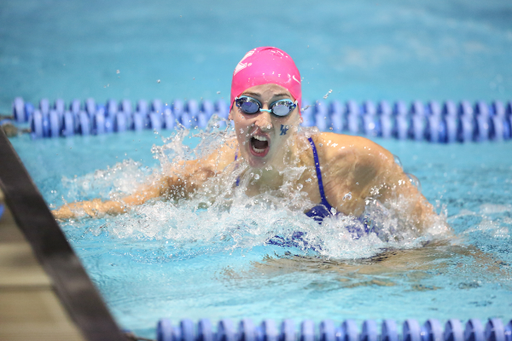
{"x": 447, "y": 122}
{"x": 348, "y": 330}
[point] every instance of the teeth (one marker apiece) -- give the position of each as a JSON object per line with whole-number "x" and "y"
{"x": 260, "y": 138}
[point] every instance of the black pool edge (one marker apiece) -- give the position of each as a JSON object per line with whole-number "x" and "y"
{"x": 71, "y": 283}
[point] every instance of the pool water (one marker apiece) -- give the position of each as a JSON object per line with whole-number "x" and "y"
{"x": 359, "y": 49}
{"x": 175, "y": 260}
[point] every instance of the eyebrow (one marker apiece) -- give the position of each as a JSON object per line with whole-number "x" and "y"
{"x": 259, "y": 95}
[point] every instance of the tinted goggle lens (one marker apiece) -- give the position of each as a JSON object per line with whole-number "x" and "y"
{"x": 251, "y": 105}
{"x": 248, "y": 105}
{"x": 283, "y": 107}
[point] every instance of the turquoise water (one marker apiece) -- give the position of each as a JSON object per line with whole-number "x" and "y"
{"x": 166, "y": 260}
{"x": 361, "y": 49}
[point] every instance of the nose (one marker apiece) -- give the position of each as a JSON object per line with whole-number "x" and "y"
{"x": 264, "y": 121}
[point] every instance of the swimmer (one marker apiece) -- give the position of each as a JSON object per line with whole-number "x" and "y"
{"x": 340, "y": 172}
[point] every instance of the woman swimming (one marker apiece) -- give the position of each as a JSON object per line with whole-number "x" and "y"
{"x": 338, "y": 173}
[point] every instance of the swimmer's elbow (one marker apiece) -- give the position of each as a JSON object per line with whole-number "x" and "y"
{"x": 144, "y": 194}
{"x": 430, "y": 220}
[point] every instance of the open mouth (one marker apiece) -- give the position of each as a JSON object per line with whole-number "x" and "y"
{"x": 259, "y": 145}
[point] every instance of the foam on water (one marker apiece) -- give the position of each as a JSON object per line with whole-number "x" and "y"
{"x": 220, "y": 216}
{"x": 116, "y": 181}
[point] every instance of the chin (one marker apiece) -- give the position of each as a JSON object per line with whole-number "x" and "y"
{"x": 257, "y": 162}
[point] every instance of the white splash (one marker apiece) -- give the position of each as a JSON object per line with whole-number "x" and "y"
{"x": 236, "y": 221}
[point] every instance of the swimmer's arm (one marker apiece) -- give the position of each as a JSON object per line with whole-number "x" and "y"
{"x": 97, "y": 207}
{"x": 187, "y": 177}
{"x": 369, "y": 171}
{"x": 381, "y": 178}
{"x": 179, "y": 182}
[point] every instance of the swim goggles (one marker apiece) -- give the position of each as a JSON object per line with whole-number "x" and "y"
{"x": 251, "y": 106}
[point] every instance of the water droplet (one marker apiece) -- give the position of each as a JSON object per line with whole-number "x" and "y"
{"x": 397, "y": 161}
{"x": 414, "y": 181}
{"x": 347, "y": 196}
{"x": 327, "y": 94}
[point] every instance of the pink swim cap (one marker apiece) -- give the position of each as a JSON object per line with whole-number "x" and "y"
{"x": 264, "y": 65}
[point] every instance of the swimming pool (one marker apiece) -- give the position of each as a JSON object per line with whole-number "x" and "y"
{"x": 361, "y": 50}
{"x": 168, "y": 260}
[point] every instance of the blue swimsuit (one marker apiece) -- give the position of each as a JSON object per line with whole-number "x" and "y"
{"x": 323, "y": 210}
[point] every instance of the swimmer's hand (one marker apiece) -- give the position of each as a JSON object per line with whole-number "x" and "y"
{"x": 93, "y": 208}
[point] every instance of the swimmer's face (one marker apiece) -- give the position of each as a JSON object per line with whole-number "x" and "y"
{"x": 262, "y": 136}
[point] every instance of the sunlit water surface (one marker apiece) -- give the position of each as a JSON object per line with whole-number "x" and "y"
{"x": 173, "y": 259}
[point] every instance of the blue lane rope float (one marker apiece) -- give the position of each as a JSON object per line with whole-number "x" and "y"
{"x": 431, "y": 330}
{"x": 447, "y": 122}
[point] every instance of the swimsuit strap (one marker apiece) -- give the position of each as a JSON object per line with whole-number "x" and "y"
{"x": 237, "y": 178}
{"x": 319, "y": 175}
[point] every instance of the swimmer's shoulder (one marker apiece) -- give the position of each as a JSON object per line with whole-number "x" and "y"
{"x": 222, "y": 156}
{"x": 334, "y": 146}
